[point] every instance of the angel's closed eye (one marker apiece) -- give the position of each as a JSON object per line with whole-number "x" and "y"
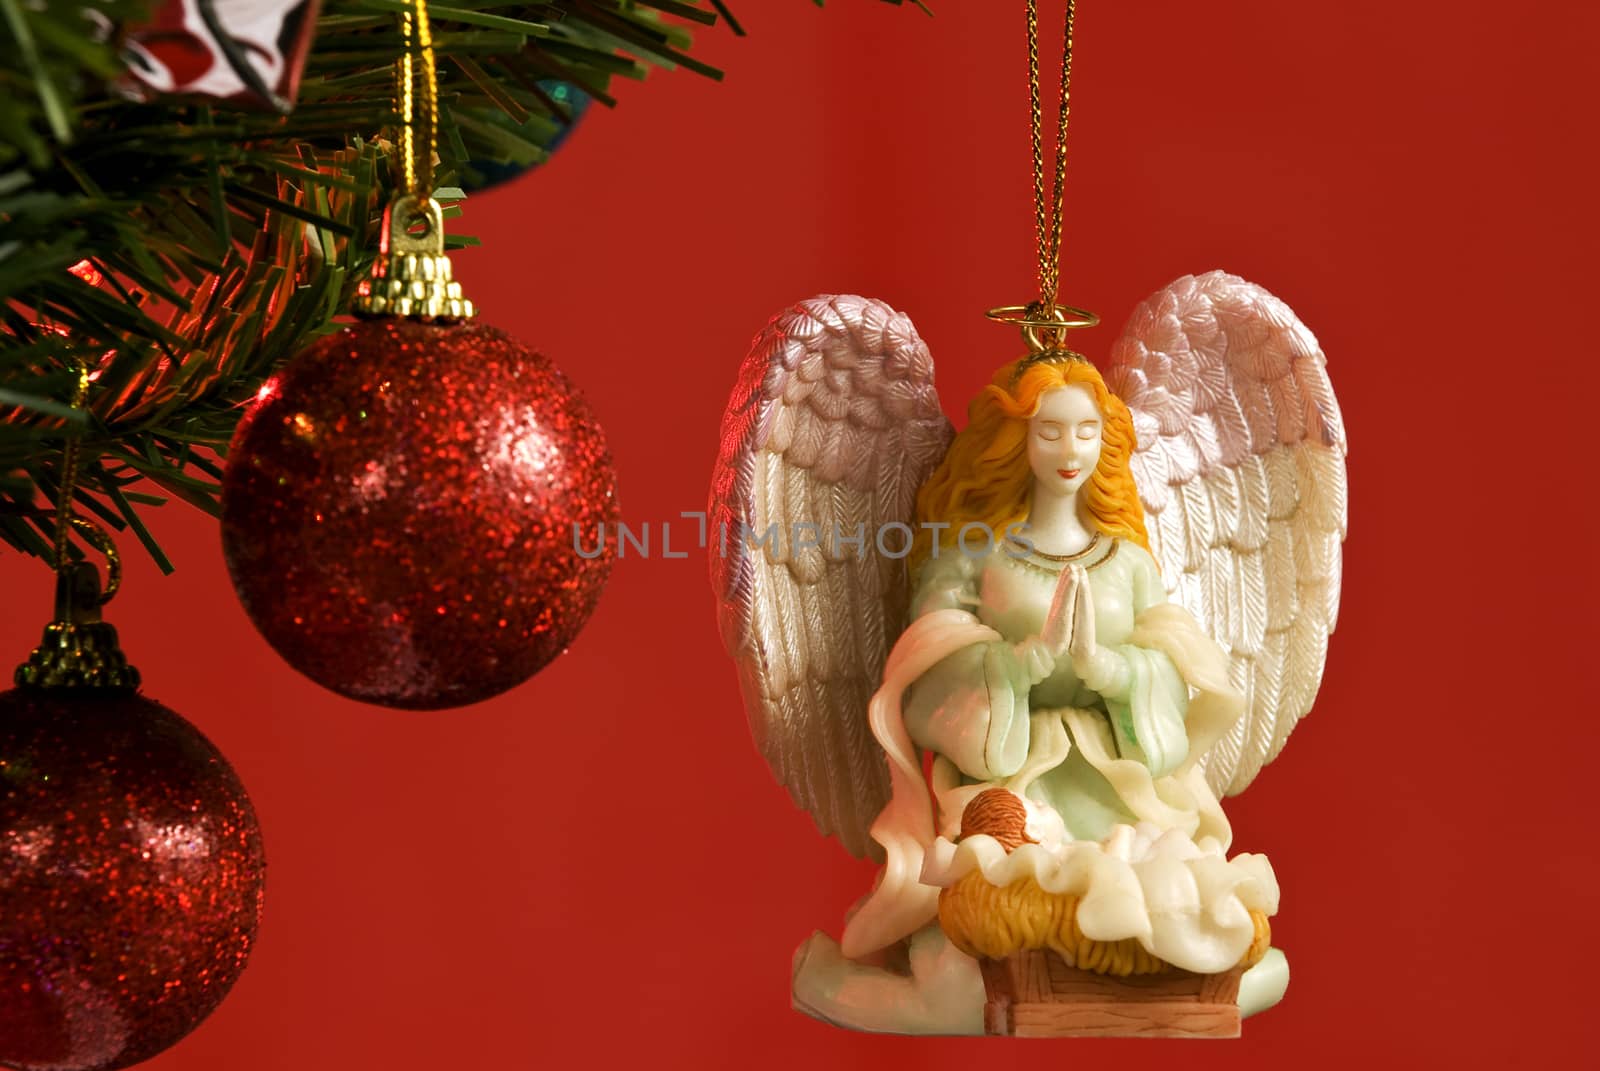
{"x": 1050, "y": 432}
{"x": 1088, "y": 429}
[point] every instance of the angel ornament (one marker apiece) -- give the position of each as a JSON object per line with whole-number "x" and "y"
{"x": 1028, "y": 659}
{"x": 1096, "y": 610}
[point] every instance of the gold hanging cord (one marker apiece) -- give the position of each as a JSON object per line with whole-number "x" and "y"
{"x": 1045, "y": 322}
{"x": 412, "y": 276}
{"x": 92, "y": 533}
{"x": 418, "y": 88}
{"x": 79, "y": 650}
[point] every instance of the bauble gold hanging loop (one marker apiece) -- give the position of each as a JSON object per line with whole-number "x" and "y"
{"x": 78, "y": 649}
{"x": 412, "y": 276}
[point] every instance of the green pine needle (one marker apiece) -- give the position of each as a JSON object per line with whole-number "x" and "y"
{"x": 228, "y": 239}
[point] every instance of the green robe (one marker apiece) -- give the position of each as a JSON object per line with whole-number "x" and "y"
{"x": 1098, "y": 759}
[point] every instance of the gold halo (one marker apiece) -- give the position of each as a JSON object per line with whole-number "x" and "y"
{"x": 1067, "y": 317}
{"x": 1045, "y": 332}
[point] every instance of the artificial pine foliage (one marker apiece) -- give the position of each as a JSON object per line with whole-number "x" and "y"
{"x": 182, "y": 249}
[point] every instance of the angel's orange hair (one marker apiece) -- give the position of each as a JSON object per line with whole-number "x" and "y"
{"x": 985, "y": 477}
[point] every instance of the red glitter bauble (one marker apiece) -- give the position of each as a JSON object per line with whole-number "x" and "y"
{"x": 131, "y": 879}
{"x": 416, "y": 515}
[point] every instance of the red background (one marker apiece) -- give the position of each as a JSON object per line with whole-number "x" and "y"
{"x": 597, "y": 867}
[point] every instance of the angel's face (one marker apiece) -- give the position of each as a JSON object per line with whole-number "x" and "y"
{"x": 1064, "y": 439}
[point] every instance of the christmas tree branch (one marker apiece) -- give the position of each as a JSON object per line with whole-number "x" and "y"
{"x": 181, "y": 250}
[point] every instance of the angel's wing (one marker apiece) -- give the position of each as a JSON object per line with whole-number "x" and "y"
{"x": 833, "y": 423}
{"x": 1240, "y": 465}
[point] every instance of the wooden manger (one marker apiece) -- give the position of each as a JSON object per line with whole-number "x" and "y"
{"x": 1035, "y": 994}
{"x": 1015, "y": 932}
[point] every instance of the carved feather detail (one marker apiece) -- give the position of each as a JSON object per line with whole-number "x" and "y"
{"x": 1241, "y": 468}
{"x": 833, "y": 423}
